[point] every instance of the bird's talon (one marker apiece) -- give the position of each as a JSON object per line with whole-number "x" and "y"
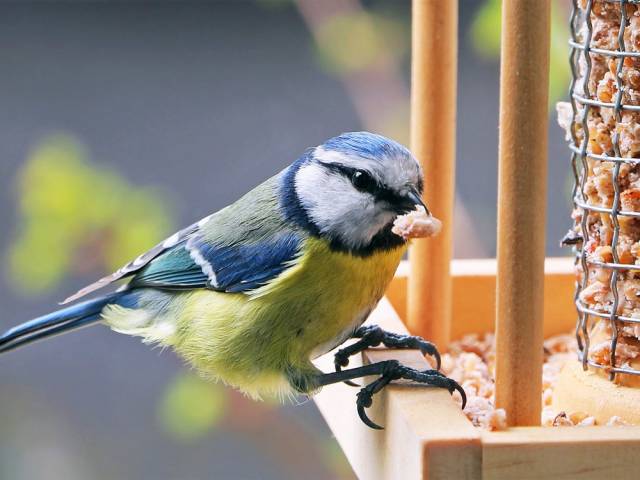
{"x": 365, "y": 399}
{"x": 455, "y": 386}
{"x": 436, "y": 355}
{"x": 339, "y": 361}
{"x": 366, "y": 420}
{"x": 372, "y": 336}
{"x": 427, "y": 348}
{"x": 393, "y": 370}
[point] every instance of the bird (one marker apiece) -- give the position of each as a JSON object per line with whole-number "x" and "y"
{"x": 252, "y": 294}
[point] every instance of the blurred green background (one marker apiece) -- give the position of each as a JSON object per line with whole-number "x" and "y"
{"x": 124, "y": 121}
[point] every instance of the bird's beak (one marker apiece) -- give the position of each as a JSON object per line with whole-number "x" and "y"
{"x": 414, "y": 197}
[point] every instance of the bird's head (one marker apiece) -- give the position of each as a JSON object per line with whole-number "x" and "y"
{"x": 350, "y": 189}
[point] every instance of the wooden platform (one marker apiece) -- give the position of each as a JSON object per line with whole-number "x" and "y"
{"x": 428, "y": 437}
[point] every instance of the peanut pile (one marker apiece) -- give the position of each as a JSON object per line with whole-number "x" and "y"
{"x": 471, "y": 362}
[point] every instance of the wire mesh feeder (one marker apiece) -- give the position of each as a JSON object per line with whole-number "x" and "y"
{"x": 603, "y": 127}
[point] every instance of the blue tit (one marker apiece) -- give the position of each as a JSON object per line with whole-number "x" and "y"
{"x": 251, "y": 294}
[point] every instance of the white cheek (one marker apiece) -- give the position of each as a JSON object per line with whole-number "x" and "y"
{"x": 318, "y": 188}
{"x": 337, "y": 208}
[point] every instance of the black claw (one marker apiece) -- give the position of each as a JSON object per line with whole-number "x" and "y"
{"x": 366, "y": 420}
{"x": 365, "y": 395}
{"x": 426, "y": 348}
{"x": 450, "y": 384}
{"x": 436, "y": 355}
{"x": 456, "y": 386}
{"x": 365, "y": 400}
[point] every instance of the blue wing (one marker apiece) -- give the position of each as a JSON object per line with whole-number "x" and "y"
{"x": 140, "y": 262}
{"x": 237, "y": 249}
{"x": 237, "y": 267}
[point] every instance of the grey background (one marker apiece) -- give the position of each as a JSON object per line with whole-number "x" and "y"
{"x": 205, "y": 100}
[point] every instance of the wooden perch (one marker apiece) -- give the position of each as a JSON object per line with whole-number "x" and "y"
{"x": 522, "y": 177}
{"x": 433, "y": 139}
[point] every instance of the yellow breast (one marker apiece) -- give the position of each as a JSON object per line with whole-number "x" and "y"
{"x": 250, "y": 340}
{"x": 327, "y": 294}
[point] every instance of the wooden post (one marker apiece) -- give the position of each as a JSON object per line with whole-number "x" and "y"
{"x": 433, "y": 118}
{"x": 524, "y": 80}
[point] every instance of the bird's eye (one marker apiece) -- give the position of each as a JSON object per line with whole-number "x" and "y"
{"x": 363, "y": 181}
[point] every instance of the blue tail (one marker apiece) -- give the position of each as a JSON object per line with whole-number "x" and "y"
{"x": 55, "y": 323}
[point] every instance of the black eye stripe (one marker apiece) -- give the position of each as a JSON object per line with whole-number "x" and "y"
{"x": 381, "y": 192}
{"x": 350, "y": 173}
{"x": 341, "y": 169}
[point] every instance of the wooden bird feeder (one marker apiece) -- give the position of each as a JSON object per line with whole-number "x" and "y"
{"x": 426, "y": 434}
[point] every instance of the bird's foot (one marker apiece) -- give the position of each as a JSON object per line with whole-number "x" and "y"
{"x": 372, "y": 336}
{"x": 394, "y": 370}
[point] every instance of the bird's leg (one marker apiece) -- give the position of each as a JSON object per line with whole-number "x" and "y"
{"x": 372, "y": 336}
{"x": 388, "y": 370}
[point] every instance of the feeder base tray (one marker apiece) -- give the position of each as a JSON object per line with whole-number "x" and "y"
{"x": 588, "y": 391}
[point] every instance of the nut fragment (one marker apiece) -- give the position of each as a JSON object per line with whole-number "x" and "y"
{"x": 616, "y": 421}
{"x": 416, "y": 224}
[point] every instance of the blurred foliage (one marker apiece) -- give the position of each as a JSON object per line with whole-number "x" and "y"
{"x": 485, "y": 29}
{"x": 192, "y": 407}
{"x": 78, "y": 217}
{"x": 355, "y": 41}
{"x": 485, "y": 34}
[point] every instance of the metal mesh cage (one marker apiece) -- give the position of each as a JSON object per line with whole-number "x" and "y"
{"x": 603, "y": 129}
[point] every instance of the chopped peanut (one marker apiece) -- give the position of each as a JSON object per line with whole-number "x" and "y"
{"x": 416, "y": 224}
